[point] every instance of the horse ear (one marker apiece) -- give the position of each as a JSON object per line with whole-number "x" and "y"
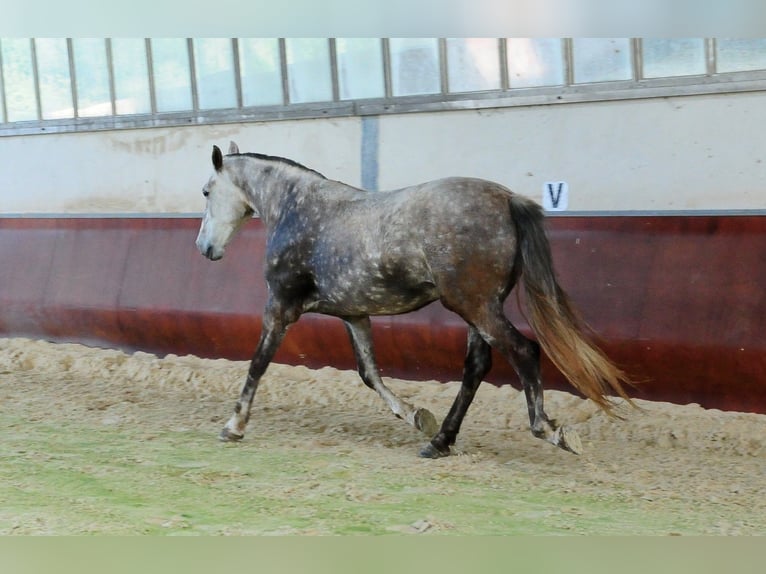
{"x": 233, "y": 148}
{"x": 217, "y": 158}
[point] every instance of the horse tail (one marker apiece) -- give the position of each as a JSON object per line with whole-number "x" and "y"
{"x": 558, "y": 326}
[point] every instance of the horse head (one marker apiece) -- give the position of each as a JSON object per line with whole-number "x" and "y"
{"x": 227, "y": 207}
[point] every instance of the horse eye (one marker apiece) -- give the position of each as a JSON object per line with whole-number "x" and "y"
{"x": 205, "y": 192}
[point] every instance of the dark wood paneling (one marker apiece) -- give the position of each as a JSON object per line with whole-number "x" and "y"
{"x": 678, "y": 300}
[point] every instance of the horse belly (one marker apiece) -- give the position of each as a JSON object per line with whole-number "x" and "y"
{"x": 373, "y": 293}
{"x": 395, "y": 299}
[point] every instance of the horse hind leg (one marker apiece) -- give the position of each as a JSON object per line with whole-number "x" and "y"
{"x": 541, "y": 426}
{"x": 478, "y": 362}
{"x": 361, "y": 339}
{"x": 524, "y": 356}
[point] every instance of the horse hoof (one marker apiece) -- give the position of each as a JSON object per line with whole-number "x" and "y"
{"x": 430, "y": 451}
{"x": 229, "y": 436}
{"x": 425, "y": 422}
{"x": 568, "y": 439}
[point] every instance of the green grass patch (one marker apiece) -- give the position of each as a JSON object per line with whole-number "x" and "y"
{"x": 72, "y": 479}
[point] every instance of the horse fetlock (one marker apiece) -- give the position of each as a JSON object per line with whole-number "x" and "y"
{"x": 543, "y": 430}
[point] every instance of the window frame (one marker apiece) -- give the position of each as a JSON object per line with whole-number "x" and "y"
{"x": 639, "y": 87}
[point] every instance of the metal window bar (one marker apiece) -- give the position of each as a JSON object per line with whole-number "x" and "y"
{"x": 72, "y": 77}
{"x": 150, "y": 73}
{"x": 334, "y": 69}
{"x": 441, "y": 54}
{"x": 237, "y": 73}
{"x": 502, "y": 48}
{"x": 385, "y": 46}
{"x": 568, "y": 55}
{"x": 637, "y": 58}
{"x": 192, "y": 74}
{"x": 3, "y": 106}
{"x": 710, "y": 56}
{"x": 283, "y": 68}
{"x": 110, "y": 71}
{"x": 36, "y": 78}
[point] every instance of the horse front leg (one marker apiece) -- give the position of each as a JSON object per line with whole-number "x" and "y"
{"x": 275, "y": 323}
{"x": 359, "y": 331}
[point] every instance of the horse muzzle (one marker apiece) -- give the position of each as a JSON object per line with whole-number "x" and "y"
{"x": 209, "y": 251}
{"x": 212, "y": 255}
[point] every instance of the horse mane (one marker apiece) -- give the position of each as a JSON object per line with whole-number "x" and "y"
{"x": 279, "y": 159}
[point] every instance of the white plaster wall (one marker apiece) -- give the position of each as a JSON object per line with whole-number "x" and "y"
{"x": 699, "y": 152}
{"x": 156, "y": 170}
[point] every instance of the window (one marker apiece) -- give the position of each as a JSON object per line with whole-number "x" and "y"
{"x": 172, "y": 78}
{"x": 214, "y": 70}
{"x": 360, "y": 68}
{"x": 131, "y": 76}
{"x": 92, "y": 77}
{"x": 308, "y": 69}
{"x": 260, "y": 72}
{"x": 55, "y": 82}
{"x": 741, "y": 55}
{"x": 473, "y": 64}
{"x": 414, "y": 66}
{"x": 535, "y": 62}
{"x": 50, "y": 85}
{"x": 601, "y": 60}
{"x": 677, "y": 57}
{"x": 19, "y": 79}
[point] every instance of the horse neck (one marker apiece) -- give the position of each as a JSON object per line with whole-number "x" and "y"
{"x": 271, "y": 189}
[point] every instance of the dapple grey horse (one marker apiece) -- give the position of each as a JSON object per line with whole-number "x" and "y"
{"x": 342, "y": 251}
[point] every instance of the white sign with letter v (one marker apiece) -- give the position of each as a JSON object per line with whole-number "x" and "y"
{"x": 555, "y": 196}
